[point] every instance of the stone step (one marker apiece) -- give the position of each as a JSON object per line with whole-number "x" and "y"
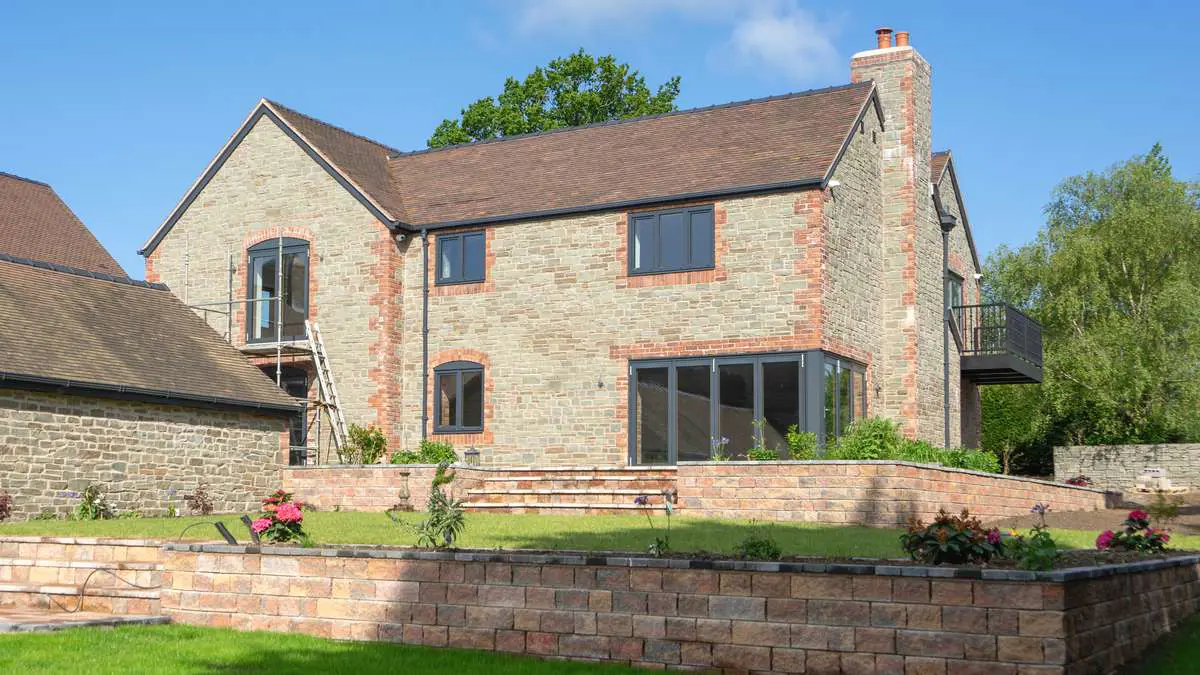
{"x": 583, "y": 508}
{"x": 640, "y": 485}
{"x": 74, "y": 572}
{"x": 38, "y": 621}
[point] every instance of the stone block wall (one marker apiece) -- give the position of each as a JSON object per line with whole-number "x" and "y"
{"x": 143, "y": 454}
{"x": 367, "y": 488}
{"x": 1118, "y": 466}
{"x": 728, "y": 616}
{"x": 873, "y": 493}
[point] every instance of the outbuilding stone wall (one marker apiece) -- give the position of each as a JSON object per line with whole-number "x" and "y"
{"x": 144, "y": 455}
{"x": 1118, "y": 466}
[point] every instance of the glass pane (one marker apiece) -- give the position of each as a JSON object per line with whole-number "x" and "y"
{"x": 643, "y": 243}
{"x": 262, "y": 312}
{"x": 473, "y": 245}
{"x": 693, "y": 413}
{"x": 702, "y": 238}
{"x": 830, "y": 402}
{"x": 447, "y": 386}
{"x": 449, "y": 258}
{"x": 673, "y": 237}
{"x": 736, "y": 412}
{"x": 845, "y": 401}
{"x": 650, "y": 423}
{"x": 472, "y": 399}
{"x": 781, "y": 401}
{"x": 295, "y": 294}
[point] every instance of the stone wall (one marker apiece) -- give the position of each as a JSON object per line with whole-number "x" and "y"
{"x": 1118, "y": 466}
{"x": 143, "y": 454}
{"x": 731, "y": 616}
{"x": 45, "y": 572}
{"x": 367, "y": 488}
{"x": 873, "y": 493}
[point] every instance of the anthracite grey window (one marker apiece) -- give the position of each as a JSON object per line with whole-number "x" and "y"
{"x": 954, "y": 297}
{"x": 688, "y": 409}
{"x": 460, "y": 258}
{"x": 458, "y": 391}
{"x": 262, "y": 315}
{"x": 671, "y": 241}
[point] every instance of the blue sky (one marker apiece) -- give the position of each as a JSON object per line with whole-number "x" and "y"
{"x": 121, "y": 105}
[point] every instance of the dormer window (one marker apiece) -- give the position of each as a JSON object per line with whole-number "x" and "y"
{"x": 274, "y": 270}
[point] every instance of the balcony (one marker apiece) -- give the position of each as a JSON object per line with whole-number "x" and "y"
{"x": 999, "y": 344}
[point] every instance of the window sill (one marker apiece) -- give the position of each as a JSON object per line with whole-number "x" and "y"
{"x": 682, "y": 270}
{"x": 459, "y": 282}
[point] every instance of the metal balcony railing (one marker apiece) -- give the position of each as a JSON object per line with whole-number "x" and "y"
{"x": 999, "y": 329}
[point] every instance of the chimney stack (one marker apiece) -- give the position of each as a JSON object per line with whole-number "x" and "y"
{"x": 883, "y": 37}
{"x": 902, "y": 38}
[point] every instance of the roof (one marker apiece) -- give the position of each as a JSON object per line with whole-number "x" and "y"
{"x": 35, "y": 223}
{"x": 118, "y": 335}
{"x": 938, "y": 163}
{"x": 781, "y": 142}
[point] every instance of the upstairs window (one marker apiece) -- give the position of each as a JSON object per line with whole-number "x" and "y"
{"x": 460, "y": 258}
{"x": 278, "y": 290}
{"x": 458, "y": 388}
{"x": 954, "y": 297}
{"x": 675, "y": 240}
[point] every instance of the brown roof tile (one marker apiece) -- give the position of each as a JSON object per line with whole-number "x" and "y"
{"x": 68, "y": 326}
{"x": 36, "y": 224}
{"x": 937, "y": 165}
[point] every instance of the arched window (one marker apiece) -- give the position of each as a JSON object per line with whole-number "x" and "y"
{"x": 275, "y": 270}
{"x": 458, "y": 388}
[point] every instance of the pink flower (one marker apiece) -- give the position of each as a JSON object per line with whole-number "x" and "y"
{"x": 1139, "y": 515}
{"x": 289, "y": 513}
{"x": 993, "y": 537}
{"x": 1105, "y": 539}
{"x": 261, "y": 525}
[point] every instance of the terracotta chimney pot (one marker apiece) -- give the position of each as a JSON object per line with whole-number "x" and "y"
{"x": 883, "y": 37}
{"x": 902, "y": 38}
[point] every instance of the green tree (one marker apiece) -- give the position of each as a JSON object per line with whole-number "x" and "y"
{"x": 1114, "y": 278}
{"x": 1012, "y": 425}
{"x": 570, "y": 91}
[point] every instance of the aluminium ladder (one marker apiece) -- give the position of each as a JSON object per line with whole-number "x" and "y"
{"x": 329, "y": 396}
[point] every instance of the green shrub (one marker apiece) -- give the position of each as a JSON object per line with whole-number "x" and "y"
{"x": 429, "y": 452}
{"x": 93, "y": 505}
{"x": 801, "y": 444}
{"x": 867, "y": 439}
{"x": 758, "y": 546}
{"x": 367, "y": 444}
{"x": 446, "y": 515}
{"x": 762, "y": 454}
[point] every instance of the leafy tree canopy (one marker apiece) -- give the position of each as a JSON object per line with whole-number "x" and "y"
{"x": 578, "y": 89}
{"x": 1114, "y": 278}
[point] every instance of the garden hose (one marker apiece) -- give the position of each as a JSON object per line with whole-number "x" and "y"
{"x": 113, "y": 574}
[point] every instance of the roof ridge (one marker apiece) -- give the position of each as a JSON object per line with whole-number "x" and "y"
{"x": 79, "y": 272}
{"x": 23, "y": 178}
{"x": 335, "y": 127}
{"x": 629, "y": 120}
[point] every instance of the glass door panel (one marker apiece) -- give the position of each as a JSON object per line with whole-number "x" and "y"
{"x": 780, "y": 401}
{"x": 651, "y": 416}
{"x": 736, "y": 410}
{"x": 693, "y": 412}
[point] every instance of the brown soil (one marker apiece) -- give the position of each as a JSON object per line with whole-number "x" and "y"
{"x": 1188, "y": 522}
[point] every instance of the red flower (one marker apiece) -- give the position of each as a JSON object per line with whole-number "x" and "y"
{"x": 1104, "y": 540}
{"x": 1139, "y": 515}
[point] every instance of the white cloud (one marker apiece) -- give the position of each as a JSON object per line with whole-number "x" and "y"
{"x": 777, "y": 36}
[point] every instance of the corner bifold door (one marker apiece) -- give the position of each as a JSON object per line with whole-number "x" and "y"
{"x": 681, "y": 407}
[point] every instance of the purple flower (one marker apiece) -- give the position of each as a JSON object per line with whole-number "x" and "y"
{"x": 993, "y": 537}
{"x": 642, "y": 500}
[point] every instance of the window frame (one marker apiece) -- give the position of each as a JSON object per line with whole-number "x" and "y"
{"x": 656, "y": 268}
{"x": 457, "y": 369}
{"x": 266, "y": 250}
{"x": 856, "y": 399}
{"x": 462, "y": 277}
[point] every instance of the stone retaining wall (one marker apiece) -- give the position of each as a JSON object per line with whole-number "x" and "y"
{"x": 365, "y": 487}
{"x": 882, "y": 493}
{"x": 727, "y": 615}
{"x": 1118, "y": 466}
{"x": 144, "y": 455}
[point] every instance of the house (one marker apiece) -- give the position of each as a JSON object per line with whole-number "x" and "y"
{"x": 620, "y": 293}
{"x": 108, "y": 380}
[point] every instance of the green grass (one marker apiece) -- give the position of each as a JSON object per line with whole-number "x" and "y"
{"x": 1176, "y": 654}
{"x": 177, "y": 650}
{"x": 491, "y": 530}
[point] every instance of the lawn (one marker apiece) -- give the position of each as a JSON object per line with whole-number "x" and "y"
{"x": 1176, "y": 654}
{"x": 491, "y": 530}
{"x": 184, "y": 649}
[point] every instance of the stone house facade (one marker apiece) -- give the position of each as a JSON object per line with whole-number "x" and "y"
{"x": 573, "y": 298}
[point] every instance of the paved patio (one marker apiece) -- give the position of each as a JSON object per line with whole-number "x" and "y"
{"x": 21, "y": 620}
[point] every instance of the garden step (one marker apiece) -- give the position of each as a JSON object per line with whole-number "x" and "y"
{"x": 60, "y": 598}
{"x": 561, "y": 491}
{"x": 532, "y": 507}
